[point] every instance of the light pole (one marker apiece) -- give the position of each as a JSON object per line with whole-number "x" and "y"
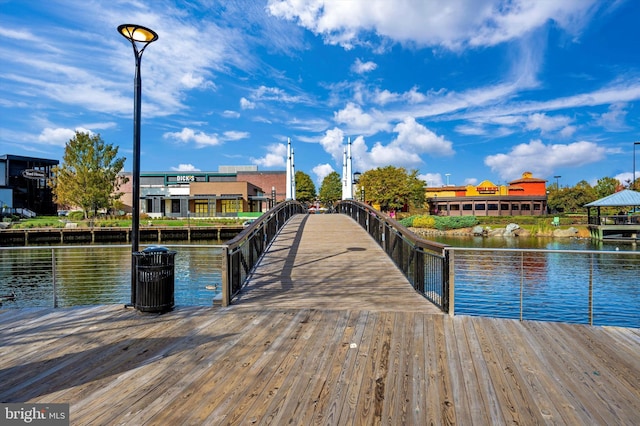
{"x": 356, "y": 180}
{"x": 633, "y": 177}
{"x": 447, "y": 175}
{"x": 557, "y": 184}
{"x": 140, "y": 37}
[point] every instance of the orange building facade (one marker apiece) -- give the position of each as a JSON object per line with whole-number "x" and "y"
{"x": 526, "y": 196}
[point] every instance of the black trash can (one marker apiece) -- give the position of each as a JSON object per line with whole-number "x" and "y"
{"x": 155, "y": 279}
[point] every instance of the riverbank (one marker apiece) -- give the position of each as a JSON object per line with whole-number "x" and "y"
{"x": 148, "y": 234}
{"x": 511, "y": 230}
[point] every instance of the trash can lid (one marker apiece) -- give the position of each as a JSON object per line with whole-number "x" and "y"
{"x": 155, "y": 249}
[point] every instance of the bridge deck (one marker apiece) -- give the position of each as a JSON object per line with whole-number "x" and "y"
{"x": 329, "y": 262}
{"x": 262, "y": 362}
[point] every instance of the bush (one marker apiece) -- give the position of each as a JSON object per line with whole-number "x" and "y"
{"x": 75, "y": 215}
{"x": 424, "y": 222}
{"x": 454, "y": 222}
{"x": 407, "y": 221}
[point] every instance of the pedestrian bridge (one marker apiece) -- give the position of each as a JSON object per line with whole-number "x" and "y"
{"x": 327, "y": 261}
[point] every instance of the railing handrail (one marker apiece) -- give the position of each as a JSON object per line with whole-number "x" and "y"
{"x": 242, "y": 253}
{"x": 406, "y": 233}
{"x": 426, "y": 264}
{"x": 538, "y": 250}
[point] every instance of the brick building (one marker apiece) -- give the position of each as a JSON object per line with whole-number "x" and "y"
{"x": 230, "y": 191}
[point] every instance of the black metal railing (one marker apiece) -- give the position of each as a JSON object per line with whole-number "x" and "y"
{"x": 242, "y": 253}
{"x": 426, "y": 264}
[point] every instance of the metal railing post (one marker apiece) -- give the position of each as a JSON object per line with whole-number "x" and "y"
{"x": 591, "y": 291}
{"x": 448, "y": 284}
{"x": 226, "y": 282}
{"x": 521, "y": 282}
{"x": 53, "y": 273}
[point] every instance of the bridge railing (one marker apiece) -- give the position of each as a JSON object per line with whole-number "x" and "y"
{"x": 426, "y": 264}
{"x": 241, "y": 254}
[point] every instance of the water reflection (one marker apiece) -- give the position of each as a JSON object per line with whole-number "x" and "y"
{"x": 101, "y": 275}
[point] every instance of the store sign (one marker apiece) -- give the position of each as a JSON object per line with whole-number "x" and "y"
{"x": 186, "y": 178}
{"x": 34, "y": 174}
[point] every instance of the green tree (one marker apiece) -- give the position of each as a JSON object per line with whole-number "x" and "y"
{"x": 331, "y": 189}
{"x": 88, "y": 176}
{"x": 572, "y": 199}
{"x": 393, "y": 188}
{"x": 305, "y": 188}
{"x": 606, "y": 186}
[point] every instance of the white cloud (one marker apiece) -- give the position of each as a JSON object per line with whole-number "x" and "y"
{"x": 413, "y": 136}
{"x": 542, "y": 160}
{"x": 545, "y": 123}
{"x": 321, "y": 171}
{"x": 59, "y": 136}
{"x": 447, "y": 23}
{"x": 360, "y": 67}
{"x": 231, "y": 114}
{"x": 359, "y": 122}
{"x": 333, "y": 143}
{"x": 614, "y": 119}
{"x": 185, "y": 168}
{"x": 275, "y": 156}
{"x": 200, "y": 139}
{"x": 246, "y": 103}
{"x": 234, "y": 135}
{"x": 432, "y": 179}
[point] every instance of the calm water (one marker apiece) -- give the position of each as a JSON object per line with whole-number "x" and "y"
{"x": 554, "y": 288}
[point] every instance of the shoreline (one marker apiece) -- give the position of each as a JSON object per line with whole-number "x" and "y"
{"x": 512, "y": 230}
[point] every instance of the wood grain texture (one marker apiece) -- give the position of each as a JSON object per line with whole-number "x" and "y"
{"x": 362, "y": 348}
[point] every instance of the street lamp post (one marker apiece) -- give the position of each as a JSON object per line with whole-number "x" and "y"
{"x": 557, "y": 183}
{"x": 633, "y": 177}
{"x": 140, "y": 37}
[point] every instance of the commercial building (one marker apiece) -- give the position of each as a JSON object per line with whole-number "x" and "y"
{"x": 526, "y": 196}
{"x": 23, "y": 185}
{"x": 231, "y": 191}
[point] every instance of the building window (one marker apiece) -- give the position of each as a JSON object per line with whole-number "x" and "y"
{"x": 202, "y": 207}
{"x": 231, "y": 206}
{"x": 526, "y": 207}
{"x": 504, "y": 206}
{"x": 537, "y": 207}
{"x": 468, "y": 207}
{"x": 454, "y": 207}
{"x": 480, "y": 206}
{"x": 515, "y": 207}
{"x": 492, "y": 206}
{"x": 175, "y": 206}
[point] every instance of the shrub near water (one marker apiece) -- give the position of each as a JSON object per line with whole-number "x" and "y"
{"x": 440, "y": 222}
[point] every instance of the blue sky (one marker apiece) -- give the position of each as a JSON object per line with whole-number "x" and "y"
{"x": 472, "y": 89}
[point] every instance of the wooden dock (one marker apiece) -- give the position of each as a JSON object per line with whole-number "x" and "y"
{"x": 334, "y": 357}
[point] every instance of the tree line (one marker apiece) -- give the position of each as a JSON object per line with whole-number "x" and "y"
{"x": 89, "y": 178}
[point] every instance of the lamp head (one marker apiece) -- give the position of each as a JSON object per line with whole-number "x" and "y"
{"x": 137, "y": 33}
{"x": 356, "y": 177}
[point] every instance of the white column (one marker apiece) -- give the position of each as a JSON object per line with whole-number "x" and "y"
{"x": 288, "y": 177}
{"x": 347, "y": 173}
{"x": 293, "y": 176}
{"x": 344, "y": 174}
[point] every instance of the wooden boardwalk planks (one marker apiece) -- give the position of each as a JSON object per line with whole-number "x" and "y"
{"x": 329, "y": 262}
{"x": 362, "y": 350}
{"x": 308, "y": 366}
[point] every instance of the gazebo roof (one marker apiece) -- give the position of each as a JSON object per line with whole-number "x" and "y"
{"x": 625, "y": 197}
